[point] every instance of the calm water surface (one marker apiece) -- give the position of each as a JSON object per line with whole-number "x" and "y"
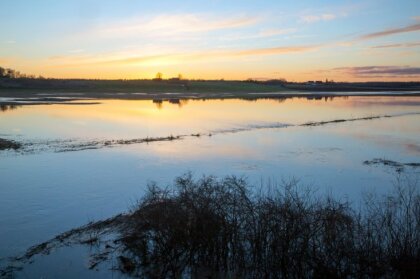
{"x": 45, "y": 193}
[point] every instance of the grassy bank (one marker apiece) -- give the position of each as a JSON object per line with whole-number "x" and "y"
{"x": 131, "y": 86}
{"x": 355, "y": 86}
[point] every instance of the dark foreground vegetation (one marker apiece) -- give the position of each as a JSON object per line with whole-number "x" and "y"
{"x": 223, "y": 228}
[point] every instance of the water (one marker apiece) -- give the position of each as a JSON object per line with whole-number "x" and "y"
{"x": 45, "y": 193}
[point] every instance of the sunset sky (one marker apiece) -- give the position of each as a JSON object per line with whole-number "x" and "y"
{"x": 296, "y": 40}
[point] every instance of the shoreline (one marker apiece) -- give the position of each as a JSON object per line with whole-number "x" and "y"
{"x": 31, "y": 91}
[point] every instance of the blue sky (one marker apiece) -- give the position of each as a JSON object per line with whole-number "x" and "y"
{"x": 297, "y": 40}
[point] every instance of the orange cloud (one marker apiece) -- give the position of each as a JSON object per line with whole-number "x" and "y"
{"x": 264, "y": 33}
{"x": 272, "y": 51}
{"x": 170, "y": 25}
{"x": 111, "y": 59}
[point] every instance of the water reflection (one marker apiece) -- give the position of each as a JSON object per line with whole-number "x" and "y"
{"x": 183, "y": 102}
{"x": 156, "y": 118}
{"x": 5, "y": 108}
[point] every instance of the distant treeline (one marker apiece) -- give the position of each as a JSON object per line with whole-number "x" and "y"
{"x": 10, "y": 78}
{"x": 11, "y": 73}
{"x": 354, "y": 86}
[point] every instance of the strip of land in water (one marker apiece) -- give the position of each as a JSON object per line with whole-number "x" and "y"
{"x": 390, "y": 163}
{"x": 68, "y": 145}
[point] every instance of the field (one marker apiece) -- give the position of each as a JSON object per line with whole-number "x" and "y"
{"x": 22, "y": 86}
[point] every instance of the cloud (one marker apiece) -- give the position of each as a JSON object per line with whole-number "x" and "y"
{"x": 79, "y": 50}
{"x": 387, "y": 32}
{"x": 271, "y": 51}
{"x": 173, "y": 24}
{"x": 383, "y": 33}
{"x": 264, "y": 33}
{"x": 380, "y": 71}
{"x": 316, "y": 18}
{"x": 275, "y": 32}
{"x": 171, "y": 58}
{"x": 402, "y": 45}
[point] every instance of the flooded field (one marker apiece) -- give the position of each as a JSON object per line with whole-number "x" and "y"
{"x": 88, "y": 161}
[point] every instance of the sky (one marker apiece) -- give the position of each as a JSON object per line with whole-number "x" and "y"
{"x": 370, "y": 40}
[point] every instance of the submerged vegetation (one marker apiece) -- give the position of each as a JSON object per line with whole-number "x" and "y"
{"x": 9, "y": 144}
{"x": 220, "y": 228}
{"x": 394, "y": 164}
{"x": 320, "y": 123}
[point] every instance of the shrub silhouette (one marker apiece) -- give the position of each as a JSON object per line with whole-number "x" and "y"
{"x": 218, "y": 228}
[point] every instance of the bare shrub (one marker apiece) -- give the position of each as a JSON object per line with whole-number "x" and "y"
{"x": 218, "y": 227}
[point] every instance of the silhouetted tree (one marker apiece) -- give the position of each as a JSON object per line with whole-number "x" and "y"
{"x": 11, "y": 73}
{"x": 159, "y": 76}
